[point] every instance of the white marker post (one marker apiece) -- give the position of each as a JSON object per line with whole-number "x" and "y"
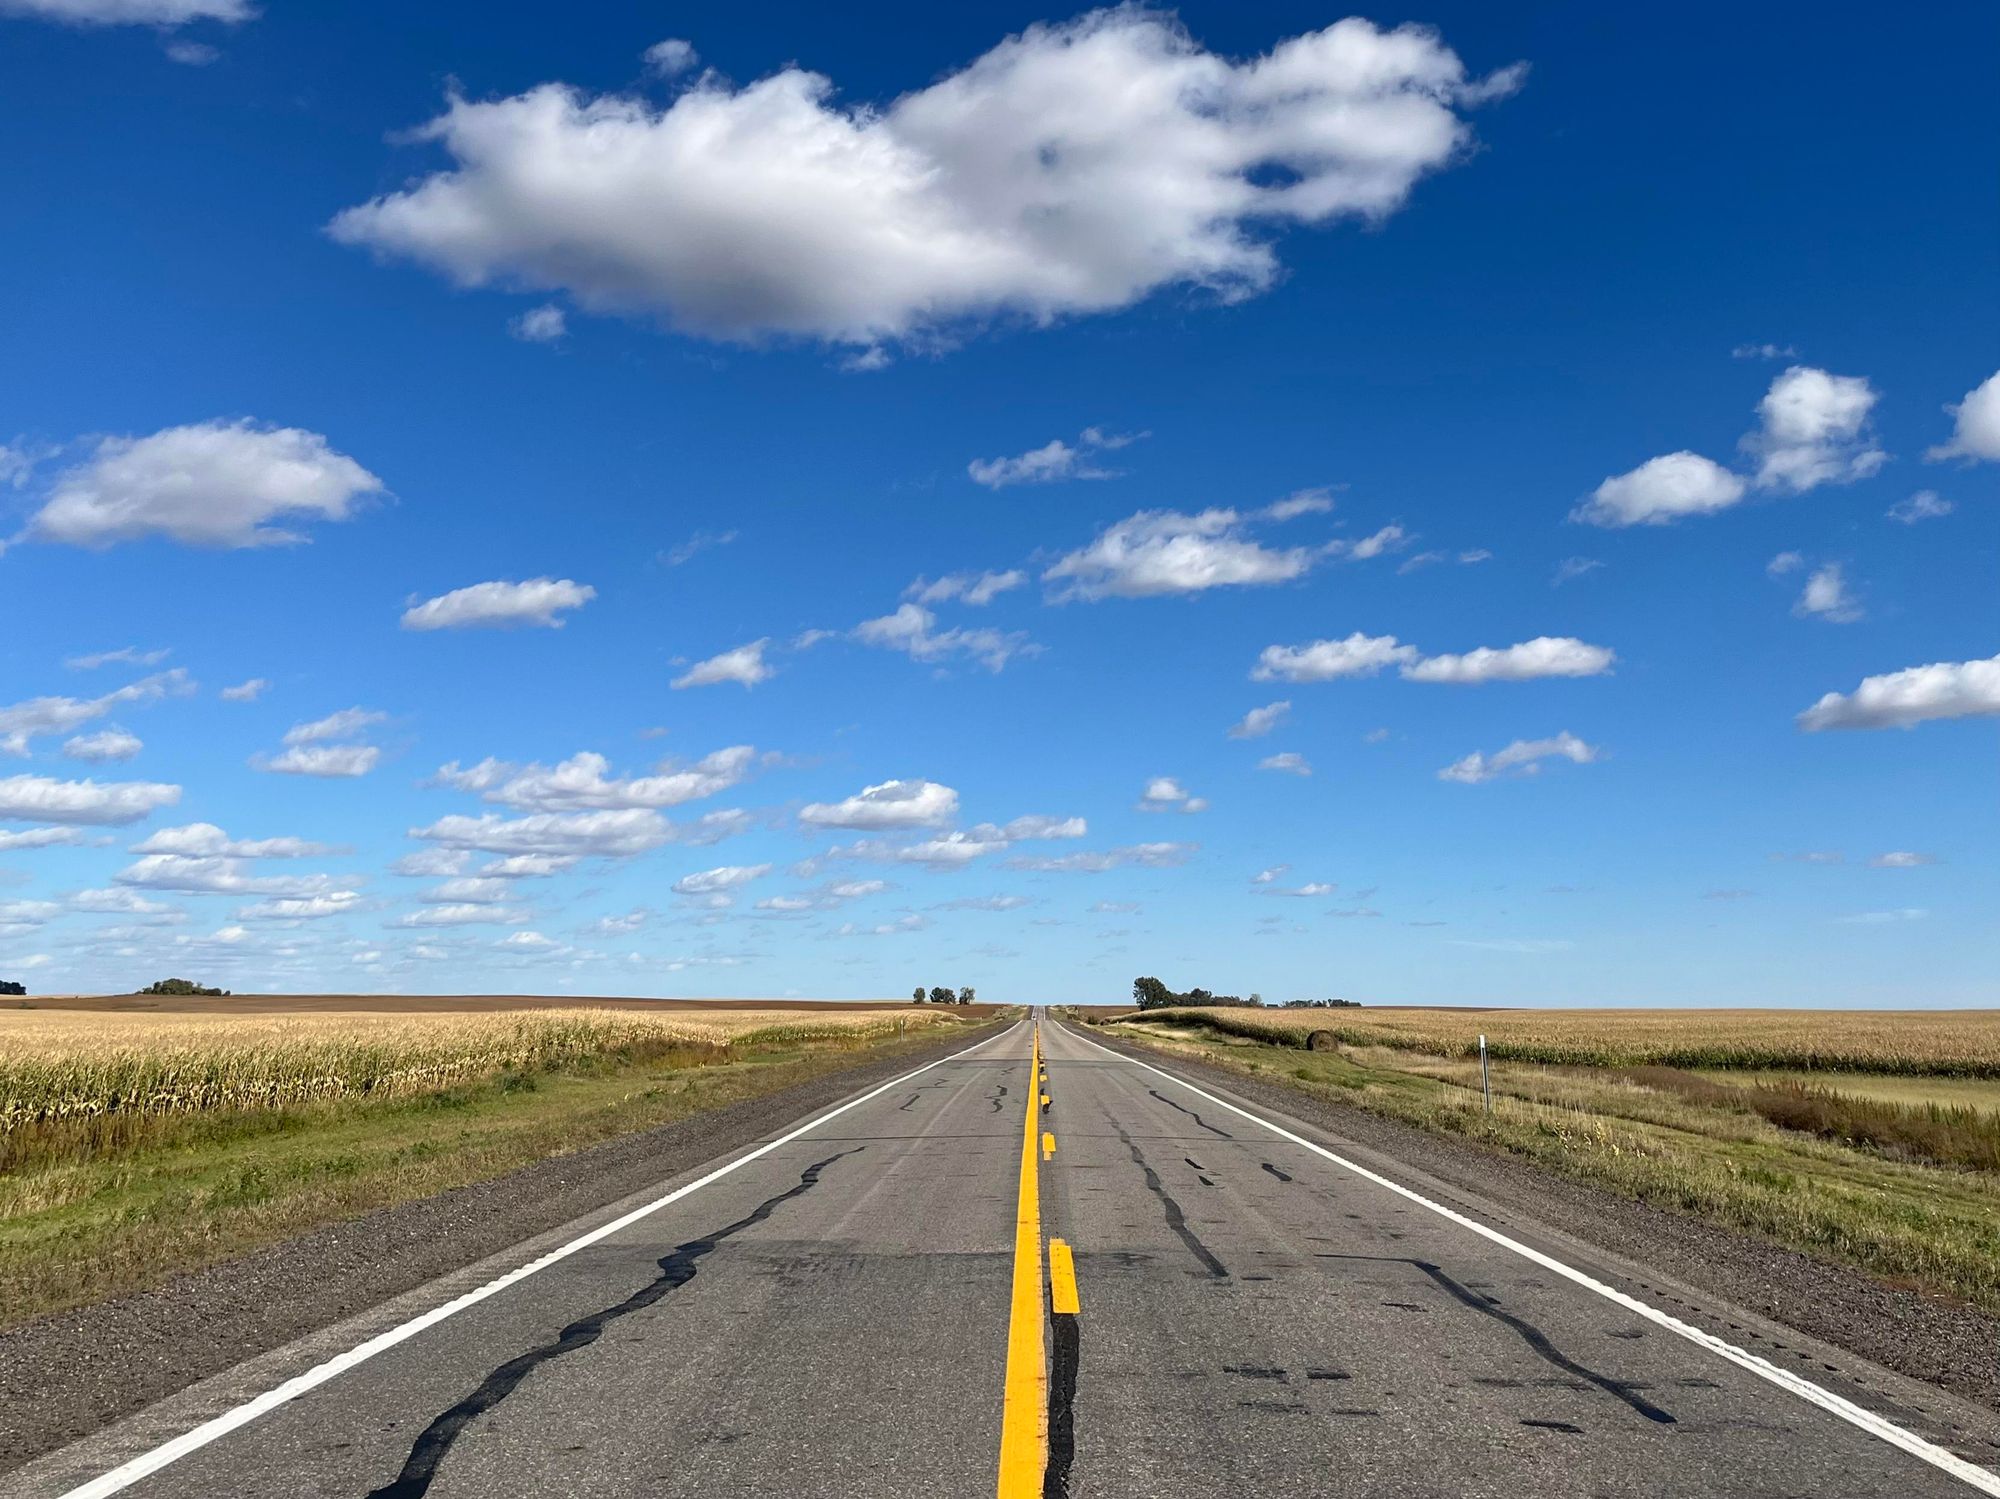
{"x": 1485, "y": 1077}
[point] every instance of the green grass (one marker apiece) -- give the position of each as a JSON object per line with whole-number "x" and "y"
{"x": 125, "y": 1212}
{"x": 1684, "y": 1143}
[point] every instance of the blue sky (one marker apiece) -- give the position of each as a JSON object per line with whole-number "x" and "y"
{"x": 814, "y": 507}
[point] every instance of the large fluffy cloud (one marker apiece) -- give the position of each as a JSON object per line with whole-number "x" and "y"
{"x": 1325, "y": 660}
{"x": 582, "y": 783}
{"x": 84, "y": 803}
{"x": 1164, "y": 552}
{"x": 1975, "y": 424}
{"x": 889, "y": 804}
{"x": 217, "y": 484}
{"x": 1072, "y": 169}
{"x": 1814, "y": 430}
{"x": 1903, "y": 699}
{"x": 1662, "y": 490}
{"x": 1544, "y": 656}
{"x": 499, "y": 605}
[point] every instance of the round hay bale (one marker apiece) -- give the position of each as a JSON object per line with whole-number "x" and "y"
{"x": 1322, "y": 1041}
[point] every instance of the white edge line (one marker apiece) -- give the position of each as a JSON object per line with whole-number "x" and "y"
{"x": 1875, "y": 1425}
{"x": 128, "y": 1473}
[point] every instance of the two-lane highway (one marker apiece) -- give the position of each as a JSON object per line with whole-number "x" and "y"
{"x": 830, "y": 1313}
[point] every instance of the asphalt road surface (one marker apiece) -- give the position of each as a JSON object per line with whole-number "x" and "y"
{"x": 878, "y": 1302}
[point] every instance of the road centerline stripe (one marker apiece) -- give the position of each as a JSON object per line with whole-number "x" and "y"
{"x": 1859, "y": 1416}
{"x": 1024, "y": 1411}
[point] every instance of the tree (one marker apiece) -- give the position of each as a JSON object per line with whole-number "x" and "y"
{"x": 1151, "y": 994}
{"x": 182, "y": 987}
{"x": 917, "y": 995}
{"x": 941, "y": 995}
{"x": 965, "y": 995}
{"x": 7, "y": 986}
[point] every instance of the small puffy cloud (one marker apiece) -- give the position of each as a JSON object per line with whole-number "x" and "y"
{"x": 720, "y": 880}
{"x": 1326, "y": 660}
{"x": 1571, "y": 568}
{"x": 130, "y": 12}
{"x": 889, "y": 804}
{"x": 1901, "y": 859}
{"x": 1763, "y": 351}
{"x": 246, "y": 692}
{"x": 1289, "y": 761}
{"x": 583, "y": 783}
{"x": 1904, "y": 699}
{"x": 205, "y": 839}
{"x": 1139, "y": 855}
{"x": 1662, "y": 490}
{"x": 1038, "y": 825}
{"x": 912, "y": 629}
{"x": 214, "y": 484}
{"x": 744, "y": 664}
{"x": 1814, "y": 430}
{"x": 1052, "y": 461}
{"x": 1160, "y": 552}
{"x": 344, "y": 724}
{"x": 1388, "y": 539}
{"x": 1783, "y": 563}
{"x": 1267, "y": 876}
{"x": 671, "y": 58}
{"x": 1826, "y": 597}
{"x": 1544, "y": 656}
{"x": 500, "y": 605}
{"x": 1165, "y": 794}
{"x": 1923, "y": 505}
{"x": 328, "y": 761}
{"x": 104, "y": 746}
{"x": 1075, "y": 168}
{"x": 545, "y": 324}
{"x": 1260, "y": 721}
{"x": 1305, "y": 502}
{"x": 972, "y": 588}
{"x": 82, "y": 803}
{"x": 39, "y": 716}
{"x": 1522, "y": 757}
{"x": 123, "y": 656}
{"x": 1975, "y": 425}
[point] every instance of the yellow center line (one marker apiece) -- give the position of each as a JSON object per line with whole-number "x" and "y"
{"x": 1062, "y": 1280}
{"x": 1048, "y": 1145}
{"x": 1024, "y": 1413}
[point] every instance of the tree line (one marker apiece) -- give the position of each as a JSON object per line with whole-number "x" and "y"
{"x": 8, "y": 986}
{"x": 1151, "y": 994}
{"x": 942, "y": 996}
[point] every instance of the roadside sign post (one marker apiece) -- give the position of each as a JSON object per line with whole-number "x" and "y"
{"x": 1485, "y": 1077}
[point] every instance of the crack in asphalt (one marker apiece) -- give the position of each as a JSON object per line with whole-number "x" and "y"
{"x": 677, "y": 1268}
{"x": 1176, "y": 1219}
{"x": 1191, "y": 1114}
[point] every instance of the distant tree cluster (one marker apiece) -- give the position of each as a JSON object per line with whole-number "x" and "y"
{"x": 1321, "y": 1004}
{"x": 8, "y": 986}
{"x": 182, "y": 988}
{"x": 942, "y": 996}
{"x": 1151, "y": 994}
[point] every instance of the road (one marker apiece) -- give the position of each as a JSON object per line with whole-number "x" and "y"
{"x": 861, "y": 1306}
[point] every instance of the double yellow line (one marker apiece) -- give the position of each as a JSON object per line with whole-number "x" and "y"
{"x": 1024, "y": 1416}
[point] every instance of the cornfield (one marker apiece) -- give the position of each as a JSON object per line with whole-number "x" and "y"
{"x": 1936, "y": 1043}
{"x": 65, "y": 1065}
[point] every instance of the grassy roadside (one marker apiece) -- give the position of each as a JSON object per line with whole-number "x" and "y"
{"x": 116, "y": 1210}
{"x": 1906, "y": 1220}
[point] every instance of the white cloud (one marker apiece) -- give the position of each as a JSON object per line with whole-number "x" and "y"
{"x": 484, "y": 605}
{"x": 670, "y": 58}
{"x": 1923, "y": 505}
{"x": 245, "y": 692}
{"x": 191, "y": 54}
{"x": 1903, "y": 699}
{"x": 304, "y": 908}
{"x": 1313, "y": 891}
{"x": 216, "y": 484}
{"x": 1544, "y": 656}
{"x": 1523, "y": 757}
{"x": 1783, "y": 563}
{"x": 207, "y": 840}
{"x": 86, "y": 803}
{"x": 1289, "y": 761}
{"x": 1661, "y": 490}
{"x": 695, "y": 545}
{"x": 1292, "y": 506}
{"x": 1325, "y": 660}
{"x": 1053, "y": 461}
{"x": 525, "y": 941}
{"x": 1158, "y": 552}
{"x": 1165, "y": 794}
{"x": 720, "y": 880}
{"x": 1141, "y": 855}
{"x": 545, "y": 324}
{"x": 130, "y": 12}
{"x": 1763, "y": 351}
{"x": 1901, "y": 859}
{"x": 1260, "y": 721}
{"x": 119, "y": 903}
{"x": 106, "y": 745}
{"x": 951, "y": 850}
{"x": 1039, "y": 825}
{"x": 40, "y": 716}
{"x": 211, "y": 875}
{"x": 1075, "y": 168}
{"x": 973, "y": 588}
{"x": 328, "y": 761}
{"x": 1814, "y": 431}
{"x": 744, "y": 664}
{"x": 889, "y": 804}
{"x": 580, "y": 783}
{"x": 1826, "y": 596}
{"x": 1266, "y": 876}
{"x": 912, "y": 629}
{"x": 1975, "y": 425}
{"x": 1883, "y": 918}
{"x": 910, "y": 923}
{"x": 343, "y": 724}
{"x": 1388, "y": 539}
{"x": 614, "y": 834}
{"x": 1571, "y": 568}
{"x": 431, "y": 863}
{"x": 124, "y": 655}
{"x": 37, "y": 838}
{"x": 469, "y": 915}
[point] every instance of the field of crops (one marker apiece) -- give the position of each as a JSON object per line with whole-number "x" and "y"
{"x": 58, "y": 1065}
{"x": 1911, "y": 1043}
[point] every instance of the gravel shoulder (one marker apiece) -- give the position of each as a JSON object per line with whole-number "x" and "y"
{"x": 1937, "y": 1341}
{"x": 65, "y": 1376}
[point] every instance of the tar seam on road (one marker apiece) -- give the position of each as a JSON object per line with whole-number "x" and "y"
{"x": 1530, "y": 1334}
{"x": 155, "y": 1458}
{"x": 1176, "y": 1219}
{"x": 1858, "y": 1416}
{"x": 677, "y": 1268}
{"x": 1191, "y": 1114}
